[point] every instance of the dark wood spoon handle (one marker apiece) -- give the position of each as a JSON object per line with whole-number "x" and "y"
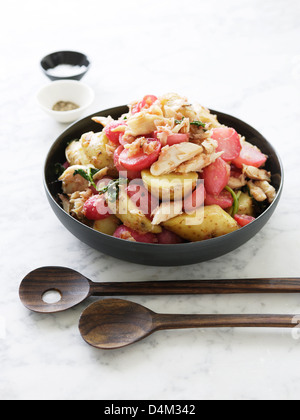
{"x": 204, "y": 287}
{"x": 163, "y": 322}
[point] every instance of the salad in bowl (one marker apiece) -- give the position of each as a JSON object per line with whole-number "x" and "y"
{"x": 165, "y": 172}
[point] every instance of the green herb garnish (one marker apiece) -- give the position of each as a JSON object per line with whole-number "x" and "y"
{"x": 198, "y": 124}
{"x": 112, "y": 189}
{"x": 88, "y": 175}
{"x": 236, "y": 201}
{"x": 179, "y": 121}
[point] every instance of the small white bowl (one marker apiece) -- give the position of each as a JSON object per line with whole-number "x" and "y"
{"x": 69, "y": 91}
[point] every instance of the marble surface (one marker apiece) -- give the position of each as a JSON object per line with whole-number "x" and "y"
{"x": 240, "y": 57}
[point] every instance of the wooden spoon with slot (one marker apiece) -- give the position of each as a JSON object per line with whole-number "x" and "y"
{"x": 74, "y": 288}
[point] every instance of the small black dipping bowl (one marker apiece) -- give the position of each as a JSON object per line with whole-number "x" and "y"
{"x": 65, "y": 57}
{"x": 151, "y": 254}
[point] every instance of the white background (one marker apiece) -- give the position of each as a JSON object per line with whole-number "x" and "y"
{"x": 239, "y": 57}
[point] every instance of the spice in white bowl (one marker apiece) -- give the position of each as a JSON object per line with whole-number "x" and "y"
{"x": 63, "y": 106}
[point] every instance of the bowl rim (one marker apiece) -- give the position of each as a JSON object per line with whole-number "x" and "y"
{"x": 65, "y": 52}
{"x": 187, "y": 244}
{"x": 66, "y": 82}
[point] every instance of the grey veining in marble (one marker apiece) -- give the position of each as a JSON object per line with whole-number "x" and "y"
{"x": 240, "y": 57}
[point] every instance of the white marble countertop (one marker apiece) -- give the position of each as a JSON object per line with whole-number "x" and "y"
{"x": 240, "y": 57}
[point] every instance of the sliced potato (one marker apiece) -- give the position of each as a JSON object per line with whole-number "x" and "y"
{"x": 97, "y": 149}
{"x": 246, "y": 205}
{"x": 125, "y": 210}
{"x": 75, "y": 154}
{"x": 108, "y": 225}
{"x": 213, "y": 223}
{"x": 170, "y": 187}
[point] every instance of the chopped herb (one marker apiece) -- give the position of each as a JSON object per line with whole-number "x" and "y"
{"x": 198, "y": 124}
{"x": 88, "y": 175}
{"x": 112, "y": 189}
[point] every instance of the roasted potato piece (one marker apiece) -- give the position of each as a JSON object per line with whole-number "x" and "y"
{"x": 75, "y": 154}
{"x": 215, "y": 222}
{"x": 97, "y": 149}
{"x": 131, "y": 216}
{"x": 246, "y": 205}
{"x": 170, "y": 187}
{"x": 108, "y": 225}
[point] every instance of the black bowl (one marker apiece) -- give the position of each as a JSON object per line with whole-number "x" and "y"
{"x": 65, "y": 57}
{"x": 149, "y": 254}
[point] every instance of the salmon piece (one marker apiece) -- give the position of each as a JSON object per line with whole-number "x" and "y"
{"x": 257, "y": 193}
{"x": 268, "y": 190}
{"x": 256, "y": 174}
{"x": 172, "y": 157}
{"x": 166, "y": 211}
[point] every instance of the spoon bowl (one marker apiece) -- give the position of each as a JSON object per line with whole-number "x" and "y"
{"x": 72, "y": 287}
{"x": 115, "y": 323}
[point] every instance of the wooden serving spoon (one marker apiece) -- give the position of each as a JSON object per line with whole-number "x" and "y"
{"x": 74, "y": 288}
{"x": 114, "y": 323}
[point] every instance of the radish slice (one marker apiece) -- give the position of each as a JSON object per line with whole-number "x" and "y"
{"x": 177, "y": 138}
{"x": 120, "y": 168}
{"x": 114, "y": 136}
{"x": 124, "y": 232}
{"x": 224, "y": 200}
{"x": 235, "y": 172}
{"x": 244, "y": 220}
{"x": 141, "y": 160}
{"x": 195, "y": 200}
{"x": 95, "y": 208}
{"x": 250, "y": 155}
{"x": 228, "y": 142}
{"x": 216, "y": 177}
{"x": 169, "y": 238}
{"x": 144, "y": 104}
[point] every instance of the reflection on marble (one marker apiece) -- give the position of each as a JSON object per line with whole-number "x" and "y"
{"x": 238, "y": 57}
